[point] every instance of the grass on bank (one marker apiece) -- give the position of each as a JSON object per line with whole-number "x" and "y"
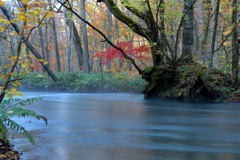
{"x": 85, "y": 82}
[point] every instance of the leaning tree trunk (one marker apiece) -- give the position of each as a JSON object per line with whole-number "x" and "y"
{"x": 28, "y": 44}
{"x": 75, "y": 37}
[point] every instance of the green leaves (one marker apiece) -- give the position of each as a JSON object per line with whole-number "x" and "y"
{"x": 14, "y": 108}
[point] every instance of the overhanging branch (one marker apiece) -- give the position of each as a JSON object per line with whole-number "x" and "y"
{"x": 103, "y": 35}
{"x": 137, "y": 28}
{"x": 28, "y": 44}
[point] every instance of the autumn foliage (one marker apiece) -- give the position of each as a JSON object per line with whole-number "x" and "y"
{"x": 110, "y": 53}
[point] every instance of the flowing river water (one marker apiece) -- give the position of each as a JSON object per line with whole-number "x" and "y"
{"x": 123, "y": 126}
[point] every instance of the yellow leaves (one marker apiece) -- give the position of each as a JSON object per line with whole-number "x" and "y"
{"x": 13, "y": 92}
{"x": 227, "y": 43}
{"x": 21, "y": 17}
{"x": 43, "y": 61}
{"x": 21, "y": 8}
{"x": 6, "y": 76}
{"x": 24, "y": 1}
{"x": 13, "y": 89}
{"x": 1, "y": 3}
{"x": 4, "y": 21}
{"x": 13, "y": 58}
{"x": 12, "y": 33}
{"x": 25, "y": 64}
{"x": 228, "y": 31}
{"x": 17, "y": 83}
{"x": 32, "y": 15}
{"x": 50, "y": 14}
{"x": 3, "y": 28}
{"x": 7, "y": 65}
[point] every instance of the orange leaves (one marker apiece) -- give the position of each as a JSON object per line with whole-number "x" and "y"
{"x": 27, "y": 27}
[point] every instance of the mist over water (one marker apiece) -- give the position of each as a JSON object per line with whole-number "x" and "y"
{"x": 124, "y": 126}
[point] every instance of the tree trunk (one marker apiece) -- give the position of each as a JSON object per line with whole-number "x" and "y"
{"x": 207, "y": 10}
{"x": 41, "y": 42}
{"x": 235, "y": 42}
{"x": 85, "y": 37}
{"x": 55, "y": 39}
{"x": 188, "y": 31}
{"x": 68, "y": 35}
{"x": 75, "y": 37}
{"x": 47, "y": 54}
{"x": 109, "y": 33}
{"x": 214, "y": 35}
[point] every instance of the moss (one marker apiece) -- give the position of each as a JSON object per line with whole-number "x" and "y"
{"x": 188, "y": 82}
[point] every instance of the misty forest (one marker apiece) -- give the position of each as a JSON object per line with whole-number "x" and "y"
{"x": 119, "y": 79}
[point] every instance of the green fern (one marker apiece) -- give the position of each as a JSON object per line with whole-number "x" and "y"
{"x": 14, "y": 108}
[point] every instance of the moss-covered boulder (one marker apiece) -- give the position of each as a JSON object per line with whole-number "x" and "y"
{"x": 190, "y": 82}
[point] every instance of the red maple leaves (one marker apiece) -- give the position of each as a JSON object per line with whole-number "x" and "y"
{"x": 111, "y": 53}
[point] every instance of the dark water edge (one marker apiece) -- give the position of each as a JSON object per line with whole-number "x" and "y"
{"x": 94, "y": 126}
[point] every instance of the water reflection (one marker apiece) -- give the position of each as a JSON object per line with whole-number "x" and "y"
{"x": 124, "y": 126}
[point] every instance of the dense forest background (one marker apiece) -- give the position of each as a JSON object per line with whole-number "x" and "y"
{"x": 146, "y": 37}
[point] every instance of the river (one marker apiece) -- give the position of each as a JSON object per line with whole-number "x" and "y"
{"x": 123, "y": 126}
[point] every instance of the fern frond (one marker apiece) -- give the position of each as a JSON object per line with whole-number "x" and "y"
{"x": 20, "y": 112}
{"x": 18, "y": 102}
{"x": 14, "y": 108}
{"x": 17, "y": 127}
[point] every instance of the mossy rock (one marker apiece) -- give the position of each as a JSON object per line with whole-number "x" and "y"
{"x": 189, "y": 82}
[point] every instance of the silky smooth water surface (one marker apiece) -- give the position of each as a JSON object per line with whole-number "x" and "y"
{"x": 122, "y": 126}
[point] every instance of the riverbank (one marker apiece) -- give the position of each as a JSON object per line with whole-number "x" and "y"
{"x": 84, "y": 82}
{"x": 8, "y": 153}
{"x": 217, "y": 88}
{"x": 190, "y": 82}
